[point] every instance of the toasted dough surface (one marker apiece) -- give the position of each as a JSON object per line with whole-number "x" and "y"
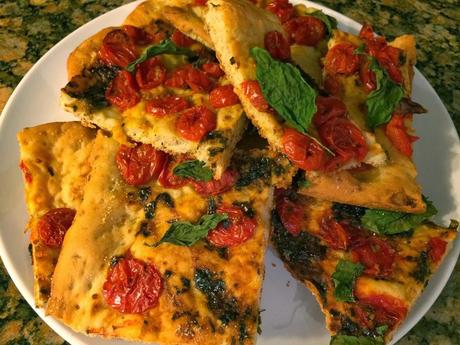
{"x": 107, "y": 226}
{"x": 312, "y": 259}
{"x": 55, "y": 158}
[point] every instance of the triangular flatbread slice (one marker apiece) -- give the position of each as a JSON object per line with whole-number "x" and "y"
{"x": 55, "y": 165}
{"x": 366, "y": 281}
{"x": 381, "y": 179}
{"x": 203, "y": 293}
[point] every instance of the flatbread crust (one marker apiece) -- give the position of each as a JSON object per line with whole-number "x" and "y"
{"x": 313, "y": 262}
{"x": 55, "y": 162}
{"x": 107, "y": 226}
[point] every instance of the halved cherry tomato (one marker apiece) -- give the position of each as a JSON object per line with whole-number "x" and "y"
{"x": 215, "y": 187}
{"x": 53, "y": 226}
{"x": 386, "y": 309}
{"x": 194, "y": 123}
{"x": 282, "y": 9}
{"x": 139, "y": 164}
{"x": 198, "y": 80}
{"x": 123, "y": 91}
{"x": 366, "y": 76}
{"x": 238, "y": 228}
{"x": 303, "y": 151}
{"x": 167, "y": 179}
{"x": 366, "y": 32}
{"x": 290, "y": 213}
{"x": 376, "y": 255}
{"x": 213, "y": 70}
{"x": 277, "y": 45}
{"x": 333, "y": 233}
{"x": 223, "y": 96}
{"x": 252, "y": 90}
{"x": 344, "y": 138}
{"x": 332, "y": 84}
{"x": 396, "y": 131}
{"x": 26, "y": 172}
{"x": 138, "y": 35}
{"x": 118, "y": 49}
{"x": 305, "y": 30}
{"x": 132, "y": 286}
{"x": 177, "y": 79}
{"x": 437, "y": 248}
{"x": 169, "y": 104}
{"x": 327, "y": 109}
{"x": 150, "y": 73}
{"x": 341, "y": 59}
{"x": 181, "y": 40}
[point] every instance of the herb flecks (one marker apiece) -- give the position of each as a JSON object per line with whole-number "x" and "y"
{"x": 344, "y": 279}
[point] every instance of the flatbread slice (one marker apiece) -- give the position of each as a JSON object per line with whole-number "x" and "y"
{"x": 55, "y": 165}
{"x": 366, "y": 281}
{"x": 174, "y": 111}
{"x": 208, "y": 293}
{"x": 381, "y": 179}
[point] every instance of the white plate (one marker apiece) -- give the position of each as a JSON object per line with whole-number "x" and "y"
{"x": 291, "y": 315}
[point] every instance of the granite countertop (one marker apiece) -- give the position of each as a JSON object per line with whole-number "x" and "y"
{"x": 28, "y": 28}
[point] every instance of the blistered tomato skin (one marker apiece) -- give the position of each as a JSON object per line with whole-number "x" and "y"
{"x": 333, "y": 233}
{"x": 118, "y": 49}
{"x": 122, "y": 91}
{"x": 194, "y": 123}
{"x": 327, "y": 109}
{"x": 305, "y": 30}
{"x": 252, "y": 90}
{"x": 237, "y": 229}
{"x": 150, "y": 74}
{"x": 167, "y": 179}
{"x": 139, "y": 164}
{"x": 290, "y": 213}
{"x": 223, "y": 96}
{"x": 342, "y": 60}
{"x": 53, "y": 226}
{"x": 282, "y": 9}
{"x": 138, "y": 35}
{"x": 376, "y": 255}
{"x": 386, "y": 309}
{"x": 181, "y": 40}
{"x": 216, "y": 187}
{"x": 169, "y": 104}
{"x": 398, "y": 134}
{"x": 213, "y": 70}
{"x": 277, "y": 45}
{"x": 437, "y": 249}
{"x": 132, "y": 286}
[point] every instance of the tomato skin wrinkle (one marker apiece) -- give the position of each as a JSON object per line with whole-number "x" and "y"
{"x": 216, "y": 187}
{"x": 277, "y": 45}
{"x": 291, "y": 214}
{"x": 138, "y": 35}
{"x": 132, "y": 286}
{"x": 53, "y": 226}
{"x": 252, "y": 90}
{"x": 213, "y": 70}
{"x": 169, "y": 104}
{"x": 181, "y": 40}
{"x": 194, "y": 123}
{"x": 118, "y": 49}
{"x": 236, "y": 230}
{"x": 282, "y": 9}
{"x": 167, "y": 179}
{"x": 341, "y": 59}
{"x": 150, "y": 73}
{"x": 376, "y": 255}
{"x": 396, "y": 131}
{"x": 122, "y": 91}
{"x": 223, "y": 96}
{"x": 387, "y": 310}
{"x": 333, "y": 232}
{"x": 437, "y": 248}
{"x": 328, "y": 108}
{"x": 139, "y": 164}
{"x": 305, "y": 30}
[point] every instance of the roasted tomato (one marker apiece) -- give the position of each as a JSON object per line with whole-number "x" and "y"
{"x": 213, "y": 70}
{"x": 181, "y": 40}
{"x": 290, "y": 213}
{"x": 132, "y": 286}
{"x": 437, "y": 248}
{"x": 327, "y": 109}
{"x": 223, "y": 96}
{"x": 200, "y": 2}
{"x": 178, "y": 78}
{"x": 333, "y": 233}
{"x": 366, "y": 76}
{"x": 238, "y": 228}
{"x": 53, "y": 226}
{"x": 118, "y": 48}
{"x": 396, "y": 131}
{"x": 305, "y": 30}
{"x": 169, "y": 104}
{"x": 167, "y": 179}
{"x": 25, "y": 172}
{"x": 252, "y": 90}
{"x": 282, "y": 9}
{"x": 122, "y": 91}
{"x": 277, "y": 45}
{"x": 215, "y": 187}
{"x": 303, "y": 151}
{"x": 341, "y": 59}
{"x": 384, "y": 309}
{"x": 198, "y": 80}
{"x": 194, "y": 123}
{"x": 376, "y": 255}
{"x": 150, "y": 73}
{"x": 138, "y": 35}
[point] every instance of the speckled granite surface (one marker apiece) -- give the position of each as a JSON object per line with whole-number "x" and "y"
{"x": 28, "y": 28}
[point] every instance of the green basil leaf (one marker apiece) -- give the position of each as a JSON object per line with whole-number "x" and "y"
{"x": 330, "y": 22}
{"x": 194, "y": 169}
{"x": 164, "y": 47}
{"x": 285, "y": 90}
{"x": 384, "y": 99}
{"x": 353, "y": 340}
{"x": 344, "y": 278}
{"x": 390, "y": 222}
{"x": 381, "y": 330}
{"x": 187, "y": 234}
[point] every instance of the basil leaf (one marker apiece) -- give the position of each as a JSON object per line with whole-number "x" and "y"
{"x": 353, "y": 340}
{"x": 381, "y": 330}
{"x": 330, "y": 22}
{"x": 164, "y": 47}
{"x": 382, "y": 101}
{"x": 390, "y": 222}
{"x": 187, "y": 234}
{"x": 194, "y": 169}
{"x": 344, "y": 278}
{"x": 285, "y": 90}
